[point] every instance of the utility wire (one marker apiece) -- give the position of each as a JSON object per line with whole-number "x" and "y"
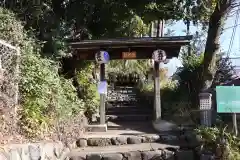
{"x": 231, "y": 27}
{"x": 234, "y": 57}
{"x": 239, "y": 37}
{"x": 238, "y": 41}
{"x": 233, "y": 33}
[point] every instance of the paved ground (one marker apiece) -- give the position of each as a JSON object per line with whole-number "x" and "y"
{"x": 125, "y": 128}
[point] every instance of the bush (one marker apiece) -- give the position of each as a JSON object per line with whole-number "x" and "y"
{"x": 45, "y": 96}
{"x": 216, "y": 140}
{"x": 182, "y": 97}
{"x": 88, "y": 90}
{"x": 190, "y": 79}
{"x": 168, "y": 95}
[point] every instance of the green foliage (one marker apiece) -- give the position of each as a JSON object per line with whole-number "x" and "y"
{"x": 140, "y": 67}
{"x": 45, "y": 96}
{"x": 186, "y": 90}
{"x": 225, "y": 70}
{"x": 149, "y": 87}
{"x": 133, "y": 27}
{"x": 54, "y": 21}
{"x": 88, "y": 90}
{"x": 190, "y": 75}
{"x": 12, "y": 27}
{"x": 198, "y": 11}
{"x": 220, "y": 142}
{"x": 168, "y": 94}
{"x": 192, "y": 61}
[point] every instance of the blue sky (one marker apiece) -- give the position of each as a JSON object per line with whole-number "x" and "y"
{"x": 179, "y": 28}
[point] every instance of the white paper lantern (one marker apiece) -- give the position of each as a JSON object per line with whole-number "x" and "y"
{"x": 102, "y": 57}
{"x": 159, "y": 55}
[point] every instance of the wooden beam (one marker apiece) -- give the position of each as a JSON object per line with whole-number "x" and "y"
{"x": 119, "y": 43}
{"x": 117, "y": 53}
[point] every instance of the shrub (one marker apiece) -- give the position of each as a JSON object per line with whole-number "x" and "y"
{"x": 45, "y": 96}
{"x": 190, "y": 78}
{"x": 88, "y": 90}
{"x": 216, "y": 140}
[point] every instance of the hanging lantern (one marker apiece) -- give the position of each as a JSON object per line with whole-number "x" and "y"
{"x": 102, "y": 57}
{"x": 159, "y": 55}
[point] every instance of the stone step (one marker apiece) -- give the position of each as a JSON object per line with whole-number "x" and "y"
{"x": 129, "y": 110}
{"x": 167, "y": 145}
{"x": 144, "y": 151}
{"x": 113, "y": 140}
{"x": 187, "y": 140}
{"x": 129, "y": 117}
{"x": 58, "y": 151}
{"x": 132, "y": 106}
{"x": 96, "y": 128}
{"x": 115, "y": 103}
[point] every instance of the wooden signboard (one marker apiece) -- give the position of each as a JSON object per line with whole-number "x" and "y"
{"x": 228, "y": 99}
{"x": 129, "y": 55}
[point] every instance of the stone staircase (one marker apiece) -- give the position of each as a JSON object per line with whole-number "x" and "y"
{"x": 124, "y": 152}
{"x": 136, "y": 145}
{"x": 120, "y": 145}
{"x": 122, "y": 106}
{"x": 128, "y": 114}
{"x": 130, "y": 136}
{"x": 135, "y": 140}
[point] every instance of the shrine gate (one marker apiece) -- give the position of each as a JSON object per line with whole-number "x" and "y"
{"x": 127, "y": 49}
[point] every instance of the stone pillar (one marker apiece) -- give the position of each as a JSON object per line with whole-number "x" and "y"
{"x": 205, "y": 109}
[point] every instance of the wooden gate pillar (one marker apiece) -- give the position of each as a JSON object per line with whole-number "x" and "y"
{"x": 102, "y": 57}
{"x": 158, "y": 56}
{"x": 157, "y": 97}
{"x": 102, "y": 109}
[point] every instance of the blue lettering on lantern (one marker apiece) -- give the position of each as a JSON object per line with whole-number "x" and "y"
{"x": 106, "y": 56}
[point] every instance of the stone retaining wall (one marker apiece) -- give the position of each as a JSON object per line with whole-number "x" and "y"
{"x": 34, "y": 151}
{"x": 57, "y": 151}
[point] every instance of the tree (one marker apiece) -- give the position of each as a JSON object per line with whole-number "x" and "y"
{"x": 54, "y": 21}
{"x": 224, "y": 70}
{"x": 212, "y": 47}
